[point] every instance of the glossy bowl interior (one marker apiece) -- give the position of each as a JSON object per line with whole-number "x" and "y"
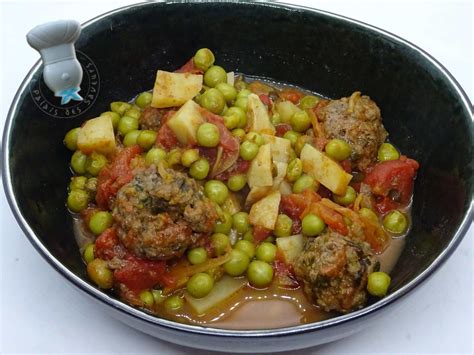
{"x": 425, "y": 111}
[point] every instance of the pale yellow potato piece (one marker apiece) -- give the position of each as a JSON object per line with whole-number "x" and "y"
{"x": 97, "y": 134}
{"x": 258, "y": 192}
{"x": 260, "y": 170}
{"x": 264, "y": 213}
{"x": 281, "y": 148}
{"x": 324, "y": 169}
{"x": 257, "y": 116}
{"x": 186, "y": 121}
{"x": 174, "y": 89}
{"x": 290, "y": 247}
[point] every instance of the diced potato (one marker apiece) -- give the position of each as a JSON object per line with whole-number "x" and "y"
{"x": 285, "y": 188}
{"x": 174, "y": 89}
{"x": 232, "y": 204}
{"x": 281, "y": 148}
{"x": 230, "y": 78}
{"x": 256, "y": 193}
{"x": 97, "y": 134}
{"x": 324, "y": 169}
{"x": 222, "y": 290}
{"x": 185, "y": 122}
{"x": 286, "y": 109}
{"x": 264, "y": 213}
{"x": 281, "y": 173}
{"x": 257, "y": 116}
{"x": 260, "y": 170}
{"x": 290, "y": 247}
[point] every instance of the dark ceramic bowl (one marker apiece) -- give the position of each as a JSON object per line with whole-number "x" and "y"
{"x": 424, "y": 109}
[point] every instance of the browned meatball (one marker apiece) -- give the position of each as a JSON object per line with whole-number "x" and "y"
{"x": 334, "y": 271}
{"x": 161, "y": 213}
{"x": 357, "y": 121}
{"x": 151, "y": 118}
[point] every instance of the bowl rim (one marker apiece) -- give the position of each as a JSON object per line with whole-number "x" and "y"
{"x": 211, "y": 331}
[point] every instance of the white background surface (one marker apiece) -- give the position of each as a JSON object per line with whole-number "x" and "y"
{"x": 40, "y": 312}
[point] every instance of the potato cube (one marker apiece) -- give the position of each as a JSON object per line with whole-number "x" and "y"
{"x": 174, "y": 89}
{"x": 281, "y": 148}
{"x": 260, "y": 170}
{"x": 257, "y": 116}
{"x": 324, "y": 169}
{"x": 97, "y": 134}
{"x": 186, "y": 121}
{"x": 264, "y": 213}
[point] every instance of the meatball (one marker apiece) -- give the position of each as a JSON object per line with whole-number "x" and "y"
{"x": 357, "y": 121}
{"x": 151, "y": 117}
{"x": 334, "y": 271}
{"x": 161, "y": 213}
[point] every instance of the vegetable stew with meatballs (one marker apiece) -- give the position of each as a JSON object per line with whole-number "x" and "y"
{"x": 221, "y": 200}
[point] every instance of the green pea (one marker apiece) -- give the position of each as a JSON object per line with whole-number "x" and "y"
{"x": 89, "y": 252}
{"x": 266, "y": 251}
{"x": 240, "y": 84}
{"x": 91, "y": 185}
{"x": 286, "y": 109}
{"x": 173, "y": 303}
{"x": 133, "y": 112}
{"x": 70, "y": 139}
{"x": 246, "y": 246}
{"x": 199, "y": 169}
{"x": 300, "y": 121}
{"x": 235, "y": 117}
{"x": 304, "y": 182}
{"x": 237, "y": 182}
{"x": 100, "y": 221}
{"x": 200, "y": 284}
{"x": 395, "y": 222}
{"x": 114, "y": 117}
{"x": 240, "y": 222}
{"x": 308, "y": 102}
{"x": 294, "y": 170}
{"x": 146, "y": 139}
{"x": 77, "y": 200}
{"x": 158, "y": 296}
{"x": 144, "y": 99}
{"x": 120, "y": 107}
{"x": 292, "y": 136}
{"x": 227, "y": 90}
{"x": 208, "y": 135}
{"x": 131, "y": 138}
{"x": 369, "y": 214}
{"x": 378, "y": 283}
{"x": 348, "y": 197}
{"x": 95, "y": 162}
{"x": 99, "y": 272}
{"x": 338, "y": 150}
{"x": 197, "y": 255}
{"x": 244, "y": 93}
{"x": 203, "y": 59}
{"x": 154, "y": 155}
{"x": 78, "y": 162}
{"x": 241, "y": 102}
{"x": 212, "y": 100}
{"x": 147, "y": 298}
{"x": 220, "y": 243}
{"x": 216, "y": 191}
{"x": 189, "y": 156}
{"x": 312, "y": 225}
{"x": 78, "y": 183}
{"x": 174, "y": 157}
{"x": 283, "y": 226}
{"x": 260, "y": 274}
{"x": 248, "y": 235}
{"x": 215, "y": 75}
{"x": 224, "y": 224}
{"x": 256, "y": 138}
{"x": 127, "y": 124}
{"x": 248, "y": 150}
{"x": 300, "y": 143}
{"x": 239, "y": 133}
{"x": 237, "y": 264}
{"x": 387, "y": 152}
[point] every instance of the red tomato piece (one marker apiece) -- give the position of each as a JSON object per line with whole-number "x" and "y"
{"x": 333, "y": 219}
{"x": 265, "y": 99}
{"x": 294, "y": 205}
{"x": 139, "y": 274}
{"x": 291, "y": 95}
{"x": 189, "y": 68}
{"x": 107, "y": 245}
{"x": 282, "y": 128}
{"x": 260, "y": 234}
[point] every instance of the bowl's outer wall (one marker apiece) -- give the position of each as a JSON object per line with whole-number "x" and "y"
{"x": 330, "y": 56}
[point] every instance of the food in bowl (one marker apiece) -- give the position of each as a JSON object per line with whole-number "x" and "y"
{"x": 231, "y": 202}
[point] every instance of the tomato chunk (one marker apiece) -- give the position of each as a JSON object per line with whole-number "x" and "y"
{"x": 189, "y": 67}
{"x": 139, "y": 274}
